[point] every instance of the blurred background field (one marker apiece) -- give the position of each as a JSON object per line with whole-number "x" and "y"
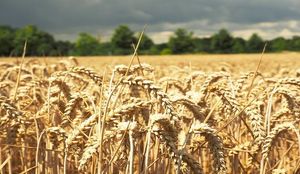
{"x": 247, "y": 62}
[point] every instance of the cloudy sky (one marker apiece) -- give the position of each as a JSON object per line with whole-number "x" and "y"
{"x": 66, "y": 18}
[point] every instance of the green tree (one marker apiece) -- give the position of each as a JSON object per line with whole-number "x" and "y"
{"x": 122, "y": 40}
{"x": 86, "y": 45}
{"x": 181, "y": 42}
{"x": 255, "y": 44}
{"x": 6, "y": 40}
{"x": 39, "y": 43}
{"x": 279, "y": 44}
{"x": 105, "y": 48}
{"x": 222, "y": 42}
{"x": 158, "y": 48}
{"x": 166, "y": 51}
{"x": 239, "y": 45}
{"x": 146, "y": 44}
{"x": 63, "y": 48}
{"x": 295, "y": 43}
{"x": 202, "y": 45}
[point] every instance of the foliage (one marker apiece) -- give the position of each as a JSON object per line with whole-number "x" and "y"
{"x": 202, "y": 45}
{"x": 166, "y": 51}
{"x": 122, "y": 40}
{"x": 6, "y": 36}
{"x": 41, "y": 43}
{"x": 255, "y": 44}
{"x": 278, "y": 44}
{"x": 86, "y": 45}
{"x": 295, "y": 43}
{"x": 63, "y": 48}
{"x": 105, "y": 48}
{"x": 181, "y": 42}
{"x": 146, "y": 44}
{"x": 239, "y": 45}
{"x": 222, "y": 42}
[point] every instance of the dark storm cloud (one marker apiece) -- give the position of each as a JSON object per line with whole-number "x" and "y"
{"x": 63, "y": 17}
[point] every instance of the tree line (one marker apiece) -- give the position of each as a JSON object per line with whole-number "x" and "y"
{"x": 41, "y": 43}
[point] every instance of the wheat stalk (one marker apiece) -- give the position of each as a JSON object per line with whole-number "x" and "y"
{"x": 214, "y": 143}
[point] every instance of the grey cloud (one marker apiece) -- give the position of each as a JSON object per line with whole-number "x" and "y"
{"x": 68, "y": 17}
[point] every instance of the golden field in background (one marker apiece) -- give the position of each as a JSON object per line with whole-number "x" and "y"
{"x": 213, "y": 60}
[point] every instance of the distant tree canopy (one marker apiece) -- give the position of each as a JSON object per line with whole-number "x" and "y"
{"x": 146, "y": 44}
{"x": 122, "y": 40}
{"x": 7, "y": 35}
{"x": 279, "y": 44}
{"x": 294, "y": 44}
{"x": 239, "y": 45}
{"x": 41, "y": 43}
{"x": 181, "y": 42}
{"x": 222, "y": 42}
{"x": 86, "y": 45}
{"x": 63, "y": 48}
{"x": 255, "y": 44}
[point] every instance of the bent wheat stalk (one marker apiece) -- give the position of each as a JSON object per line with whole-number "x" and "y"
{"x": 214, "y": 143}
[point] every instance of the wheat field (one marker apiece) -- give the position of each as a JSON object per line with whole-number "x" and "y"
{"x": 159, "y": 114}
